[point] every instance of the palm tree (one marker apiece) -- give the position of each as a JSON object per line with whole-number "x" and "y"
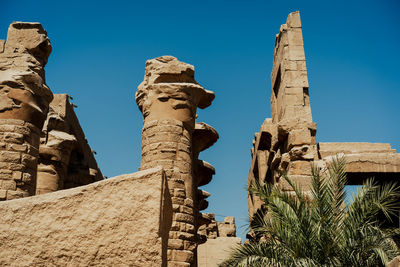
{"x": 295, "y": 229}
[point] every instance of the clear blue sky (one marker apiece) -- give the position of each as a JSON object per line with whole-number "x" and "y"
{"x": 100, "y": 48}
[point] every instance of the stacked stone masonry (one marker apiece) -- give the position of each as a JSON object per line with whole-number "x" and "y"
{"x": 213, "y": 229}
{"x": 286, "y": 143}
{"x": 18, "y": 158}
{"x": 168, "y": 98}
{"x": 220, "y": 239}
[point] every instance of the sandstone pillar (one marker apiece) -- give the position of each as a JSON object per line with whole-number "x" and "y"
{"x": 54, "y": 155}
{"x": 24, "y": 102}
{"x": 286, "y": 142}
{"x": 168, "y": 98}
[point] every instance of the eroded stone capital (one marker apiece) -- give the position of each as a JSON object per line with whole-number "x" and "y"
{"x": 169, "y": 90}
{"x": 24, "y": 94}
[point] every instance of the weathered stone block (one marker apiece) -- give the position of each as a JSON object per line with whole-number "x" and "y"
{"x": 299, "y": 168}
{"x": 186, "y": 210}
{"x": 175, "y": 244}
{"x": 19, "y": 148}
{"x": 305, "y": 152}
{"x": 295, "y": 52}
{"x": 296, "y": 79}
{"x": 66, "y": 223}
{"x": 11, "y": 194}
{"x": 215, "y": 251}
{"x": 8, "y": 156}
{"x": 17, "y": 175}
{"x": 14, "y": 138}
{"x": 188, "y": 202}
{"x": 8, "y": 185}
{"x": 293, "y": 100}
{"x": 304, "y": 182}
{"x": 17, "y": 167}
{"x": 27, "y": 178}
{"x": 7, "y": 128}
{"x": 295, "y": 37}
{"x": 181, "y": 217}
{"x": 3, "y": 193}
{"x": 182, "y": 256}
{"x": 293, "y": 20}
{"x": 299, "y": 138}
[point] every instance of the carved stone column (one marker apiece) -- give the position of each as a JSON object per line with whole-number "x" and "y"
{"x": 55, "y": 149}
{"x": 168, "y": 98}
{"x": 24, "y": 102}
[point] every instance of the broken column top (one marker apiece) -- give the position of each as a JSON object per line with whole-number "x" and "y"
{"x": 289, "y": 82}
{"x": 169, "y": 89}
{"x": 23, "y": 89}
{"x": 168, "y": 69}
{"x": 28, "y": 37}
{"x": 292, "y": 21}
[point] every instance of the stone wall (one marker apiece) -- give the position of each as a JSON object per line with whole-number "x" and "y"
{"x": 116, "y": 222}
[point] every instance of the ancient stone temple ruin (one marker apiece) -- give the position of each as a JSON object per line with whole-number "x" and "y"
{"x": 57, "y": 209}
{"x": 147, "y": 218}
{"x": 287, "y": 141}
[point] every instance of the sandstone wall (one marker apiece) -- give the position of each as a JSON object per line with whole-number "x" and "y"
{"x": 116, "y": 222}
{"x": 215, "y": 251}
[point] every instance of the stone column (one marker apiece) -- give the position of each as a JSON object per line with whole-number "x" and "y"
{"x": 168, "y": 98}
{"x": 54, "y": 155}
{"x": 24, "y": 102}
